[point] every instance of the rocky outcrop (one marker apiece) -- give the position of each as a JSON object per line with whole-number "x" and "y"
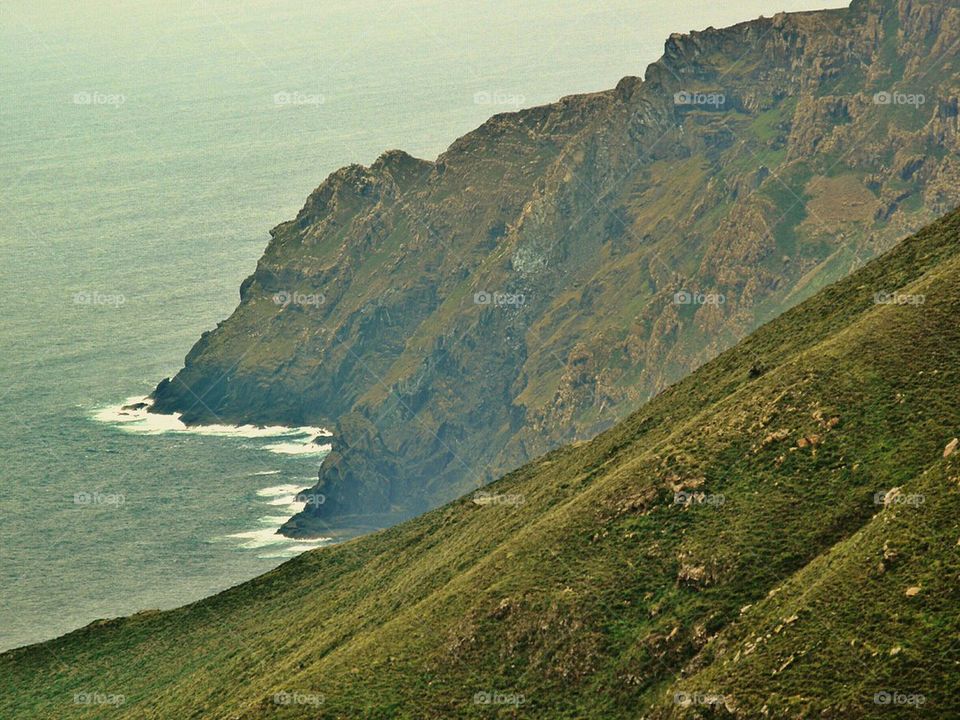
{"x": 557, "y": 266}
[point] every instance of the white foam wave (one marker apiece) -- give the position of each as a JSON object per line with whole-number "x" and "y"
{"x": 298, "y": 448}
{"x": 267, "y": 537}
{"x": 290, "y": 551}
{"x": 133, "y": 416}
{"x": 276, "y": 490}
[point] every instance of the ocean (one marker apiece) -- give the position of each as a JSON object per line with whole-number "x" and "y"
{"x": 147, "y": 148}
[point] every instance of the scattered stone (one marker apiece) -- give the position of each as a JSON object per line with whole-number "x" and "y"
{"x": 503, "y": 609}
{"x": 891, "y": 497}
{"x": 912, "y": 591}
{"x": 692, "y": 575}
{"x": 776, "y": 436}
{"x": 785, "y": 664}
{"x": 951, "y": 447}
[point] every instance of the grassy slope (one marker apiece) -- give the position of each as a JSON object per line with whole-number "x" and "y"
{"x": 845, "y": 627}
{"x": 592, "y": 595}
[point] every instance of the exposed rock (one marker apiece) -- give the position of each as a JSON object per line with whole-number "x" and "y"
{"x": 891, "y": 496}
{"x": 776, "y": 436}
{"x": 559, "y": 265}
{"x": 694, "y": 575}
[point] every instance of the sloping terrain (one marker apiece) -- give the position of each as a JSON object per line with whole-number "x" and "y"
{"x": 778, "y": 530}
{"x": 874, "y": 620}
{"x": 558, "y": 266}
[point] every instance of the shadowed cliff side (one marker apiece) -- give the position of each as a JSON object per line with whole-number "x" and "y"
{"x": 558, "y": 266}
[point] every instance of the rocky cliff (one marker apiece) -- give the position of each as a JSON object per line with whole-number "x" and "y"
{"x": 559, "y": 265}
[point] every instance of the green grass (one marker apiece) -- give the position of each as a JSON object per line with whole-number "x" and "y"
{"x": 599, "y": 596}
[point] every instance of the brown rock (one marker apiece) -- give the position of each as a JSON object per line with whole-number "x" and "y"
{"x": 776, "y": 436}
{"x": 951, "y": 447}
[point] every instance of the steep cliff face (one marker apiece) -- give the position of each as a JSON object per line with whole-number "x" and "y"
{"x": 557, "y": 266}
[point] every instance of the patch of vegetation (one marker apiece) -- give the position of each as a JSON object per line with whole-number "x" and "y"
{"x": 724, "y": 540}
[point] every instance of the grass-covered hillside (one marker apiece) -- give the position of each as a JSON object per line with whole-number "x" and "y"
{"x": 774, "y": 536}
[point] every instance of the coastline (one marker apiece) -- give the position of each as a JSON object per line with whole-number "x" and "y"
{"x": 134, "y": 416}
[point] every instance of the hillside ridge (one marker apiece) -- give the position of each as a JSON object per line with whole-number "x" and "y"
{"x": 747, "y": 544}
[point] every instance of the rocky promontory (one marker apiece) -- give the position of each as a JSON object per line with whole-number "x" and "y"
{"x": 556, "y": 267}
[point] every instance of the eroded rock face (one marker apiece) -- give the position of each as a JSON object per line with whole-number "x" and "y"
{"x": 557, "y": 266}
